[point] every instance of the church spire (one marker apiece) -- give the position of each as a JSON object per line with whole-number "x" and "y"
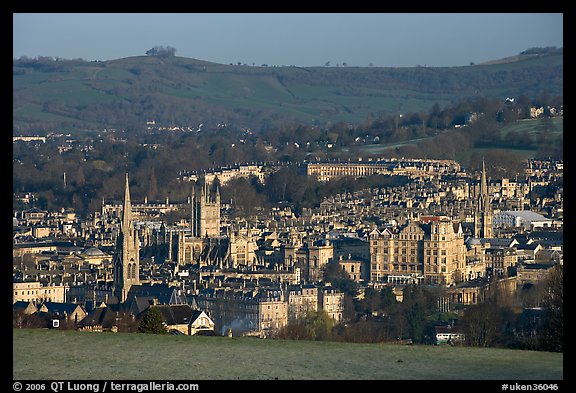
{"x": 483, "y": 213}
{"x": 483, "y": 183}
{"x": 127, "y": 253}
{"x": 127, "y": 218}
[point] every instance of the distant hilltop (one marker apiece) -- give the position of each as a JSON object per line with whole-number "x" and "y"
{"x": 125, "y": 93}
{"x": 527, "y": 54}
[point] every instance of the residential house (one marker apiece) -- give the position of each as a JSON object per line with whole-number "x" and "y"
{"x": 100, "y": 319}
{"x": 184, "y": 319}
{"x": 62, "y": 311}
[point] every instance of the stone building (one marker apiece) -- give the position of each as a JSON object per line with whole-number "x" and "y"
{"x": 37, "y": 293}
{"x": 310, "y": 257}
{"x": 301, "y": 299}
{"x": 245, "y": 312}
{"x": 205, "y": 220}
{"x": 433, "y": 252}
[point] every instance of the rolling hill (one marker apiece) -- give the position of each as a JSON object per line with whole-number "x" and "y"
{"x": 181, "y": 91}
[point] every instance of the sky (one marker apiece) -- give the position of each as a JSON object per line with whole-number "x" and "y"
{"x": 300, "y": 39}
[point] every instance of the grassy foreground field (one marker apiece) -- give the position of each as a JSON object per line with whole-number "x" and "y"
{"x": 52, "y": 354}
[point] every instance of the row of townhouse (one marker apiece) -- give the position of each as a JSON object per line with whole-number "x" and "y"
{"x": 262, "y": 312}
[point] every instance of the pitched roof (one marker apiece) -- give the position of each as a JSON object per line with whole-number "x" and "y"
{"x": 161, "y": 292}
{"x": 26, "y": 307}
{"x": 60, "y": 308}
{"x": 177, "y": 314}
{"x": 102, "y": 316}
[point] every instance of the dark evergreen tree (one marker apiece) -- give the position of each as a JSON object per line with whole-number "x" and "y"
{"x": 152, "y": 322}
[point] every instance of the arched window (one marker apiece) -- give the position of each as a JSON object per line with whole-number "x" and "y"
{"x": 132, "y": 270}
{"x": 188, "y": 254}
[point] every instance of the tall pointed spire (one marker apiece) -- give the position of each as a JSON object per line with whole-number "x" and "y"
{"x": 483, "y": 184}
{"x": 127, "y": 218}
{"x": 483, "y": 213}
{"x": 127, "y": 253}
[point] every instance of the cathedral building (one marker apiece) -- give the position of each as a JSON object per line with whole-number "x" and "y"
{"x": 205, "y": 220}
{"x": 202, "y": 241}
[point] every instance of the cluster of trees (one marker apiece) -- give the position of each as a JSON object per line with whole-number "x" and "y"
{"x": 161, "y": 51}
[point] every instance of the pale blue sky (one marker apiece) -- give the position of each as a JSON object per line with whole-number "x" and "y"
{"x": 386, "y": 40}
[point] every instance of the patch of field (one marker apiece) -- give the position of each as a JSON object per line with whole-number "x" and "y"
{"x": 52, "y": 354}
{"x": 534, "y": 126}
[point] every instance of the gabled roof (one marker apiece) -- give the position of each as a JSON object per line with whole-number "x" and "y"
{"x": 177, "y": 314}
{"x": 60, "y": 308}
{"x": 100, "y": 316}
{"x": 26, "y": 307}
{"x": 197, "y": 314}
{"x": 531, "y": 246}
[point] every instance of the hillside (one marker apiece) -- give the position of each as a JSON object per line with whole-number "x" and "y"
{"x": 50, "y": 354}
{"x": 187, "y": 92}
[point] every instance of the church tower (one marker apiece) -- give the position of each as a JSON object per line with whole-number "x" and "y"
{"x": 205, "y": 220}
{"x": 127, "y": 253}
{"x": 483, "y": 213}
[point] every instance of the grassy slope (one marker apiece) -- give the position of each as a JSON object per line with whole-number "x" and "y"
{"x": 534, "y": 126}
{"x": 50, "y": 354}
{"x": 306, "y": 93}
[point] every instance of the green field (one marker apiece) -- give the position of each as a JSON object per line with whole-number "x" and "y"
{"x": 534, "y": 126}
{"x": 52, "y": 354}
